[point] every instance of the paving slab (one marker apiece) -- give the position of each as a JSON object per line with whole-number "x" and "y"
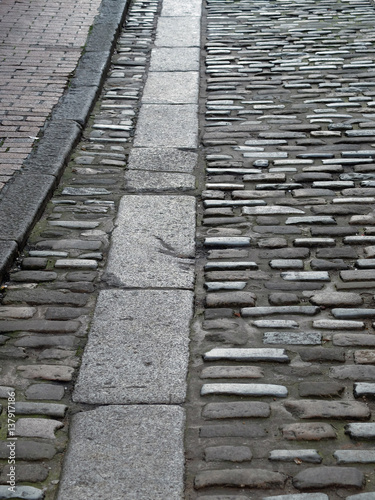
{"x": 167, "y": 125}
{"x": 153, "y": 242}
{"x": 171, "y": 88}
{"x": 175, "y": 59}
{"x": 178, "y": 31}
{"x": 125, "y": 452}
{"x": 176, "y": 8}
{"x": 162, "y": 160}
{"x": 137, "y": 350}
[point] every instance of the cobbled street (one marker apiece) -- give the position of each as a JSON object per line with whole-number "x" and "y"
{"x": 192, "y": 316}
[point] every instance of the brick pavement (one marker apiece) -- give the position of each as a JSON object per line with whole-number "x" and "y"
{"x": 41, "y": 43}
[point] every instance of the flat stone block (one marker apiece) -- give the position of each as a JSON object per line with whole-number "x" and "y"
{"x": 311, "y": 456}
{"x": 158, "y": 181}
{"x": 162, "y": 160}
{"x": 176, "y": 8}
{"x": 361, "y": 430}
{"x": 137, "y": 450}
{"x": 278, "y": 391}
{"x": 292, "y": 338}
{"x": 143, "y": 356}
{"x": 354, "y": 456}
{"x": 175, "y": 58}
{"x": 251, "y": 478}
{"x": 25, "y": 492}
{"x": 178, "y": 31}
{"x": 153, "y": 242}
{"x": 300, "y": 496}
{"x": 171, "y": 88}
{"x": 167, "y": 125}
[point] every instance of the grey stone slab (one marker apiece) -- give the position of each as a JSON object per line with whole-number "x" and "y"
{"x": 136, "y": 450}
{"x": 175, "y": 58}
{"x": 354, "y": 456}
{"x": 158, "y": 181}
{"x": 142, "y": 358}
{"x": 153, "y": 242}
{"x": 178, "y": 8}
{"x": 265, "y": 311}
{"x": 167, "y": 125}
{"x": 361, "y": 430}
{"x": 361, "y": 496}
{"x": 25, "y": 492}
{"x": 178, "y": 31}
{"x": 162, "y": 160}
{"x": 171, "y": 88}
{"x": 238, "y": 354}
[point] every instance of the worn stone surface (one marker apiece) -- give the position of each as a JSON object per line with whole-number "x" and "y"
{"x": 153, "y": 242}
{"x": 324, "y": 477}
{"x": 148, "y": 367}
{"x": 148, "y": 445}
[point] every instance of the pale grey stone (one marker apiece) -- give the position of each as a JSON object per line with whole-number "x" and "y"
{"x": 143, "y": 356}
{"x": 305, "y": 276}
{"x": 265, "y": 311}
{"x": 354, "y": 456}
{"x": 361, "y": 496}
{"x": 271, "y": 210}
{"x": 325, "y": 219}
{"x": 37, "y": 427}
{"x": 225, "y": 285}
{"x": 74, "y": 224}
{"x": 158, "y": 181}
{"x": 5, "y": 391}
{"x": 275, "y": 323}
{"x": 328, "y": 298}
{"x": 85, "y": 191}
{"x": 278, "y": 391}
{"x": 242, "y": 354}
{"x": 178, "y": 32}
{"x": 167, "y": 125}
{"x": 299, "y": 496}
{"x": 162, "y": 159}
{"x": 364, "y": 389}
{"x": 135, "y": 449}
{"x": 171, "y": 88}
{"x": 292, "y": 338}
{"x": 153, "y": 242}
{"x": 176, "y": 8}
{"x": 227, "y": 241}
{"x": 175, "y": 58}
{"x": 361, "y": 430}
{"x": 232, "y": 372}
{"x": 336, "y": 324}
{"x": 47, "y": 372}
{"x": 311, "y": 456}
{"x": 25, "y": 492}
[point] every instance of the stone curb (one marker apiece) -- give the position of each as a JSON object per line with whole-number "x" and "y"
{"x": 25, "y": 197}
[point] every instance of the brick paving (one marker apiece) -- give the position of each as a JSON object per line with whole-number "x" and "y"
{"x": 41, "y": 43}
{"x": 280, "y": 394}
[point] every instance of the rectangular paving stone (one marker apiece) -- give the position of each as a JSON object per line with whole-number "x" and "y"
{"x": 165, "y": 159}
{"x": 265, "y": 311}
{"x": 153, "y": 242}
{"x": 292, "y": 338}
{"x": 176, "y": 8}
{"x": 167, "y": 125}
{"x": 175, "y": 58}
{"x": 361, "y": 430}
{"x": 255, "y": 390}
{"x": 243, "y": 354}
{"x": 178, "y": 31}
{"x": 142, "y": 358}
{"x": 171, "y": 88}
{"x": 135, "y": 449}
